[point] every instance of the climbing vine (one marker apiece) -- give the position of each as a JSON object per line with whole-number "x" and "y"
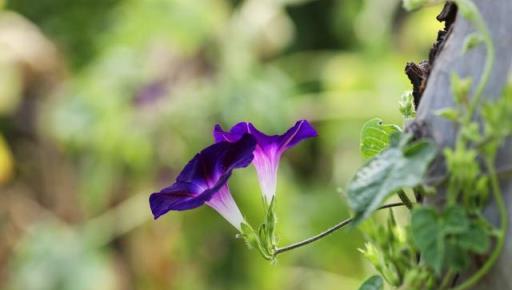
{"x": 439, "y": 242}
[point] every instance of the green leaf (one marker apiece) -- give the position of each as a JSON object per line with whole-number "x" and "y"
{"x": 427, "y": 234}
{"x": 476, "y": 239}
{"x": 449, "y": 114}
{"x": 395, "y": 168}
{"x": 455, "y": 220}
{"x": 373, "y": 283}
{"x": 472, "y": 41}
{"x": 460, "y": 88}
{"x": 406, "y": 105}
{"x": 446, "y": 240}
{"x": 456, "y": 256}
{"x": 376, "y": 136}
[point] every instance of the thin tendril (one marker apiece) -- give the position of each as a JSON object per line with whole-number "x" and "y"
{"x": 489, "y": 63}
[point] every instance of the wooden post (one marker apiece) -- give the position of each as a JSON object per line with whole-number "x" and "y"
{"x": 437, "y": 94}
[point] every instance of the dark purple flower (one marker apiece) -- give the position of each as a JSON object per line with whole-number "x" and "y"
{"x": 268, "y": 149}
{"x": 204, "y": 180}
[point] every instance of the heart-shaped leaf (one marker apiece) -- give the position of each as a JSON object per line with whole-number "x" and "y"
{"x": 395, "y": 168}
{"x": 445, "y": 239}
{"x": 376, "y": 136}
{"x": 427, "y": 234}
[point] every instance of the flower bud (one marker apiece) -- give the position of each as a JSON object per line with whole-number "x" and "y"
{"x": 460, "y": 88}
{"x": 406, "y": 105}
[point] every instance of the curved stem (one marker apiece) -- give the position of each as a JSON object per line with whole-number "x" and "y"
{"x": 447, "y": 280}
{"x": 502, "y": 209}
{"x": 485, "y": 77}
{"x": 405, "y": 199}
{"x": 326, "y": 232}
{"x": 480, "y": 25}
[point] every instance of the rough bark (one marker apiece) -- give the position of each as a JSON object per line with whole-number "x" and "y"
{"x": 437, "y": 95}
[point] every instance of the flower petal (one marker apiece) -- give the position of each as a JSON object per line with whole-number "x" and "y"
{"x": 203, "y": 176}
{"x": 236, "y": 132}
{"x": 300, "y": 131}
{"x": 208, "y": 166}
{"x": 269, "y": 149}
{"x": 179, "y": 196}
{"x": 225, "y": 205}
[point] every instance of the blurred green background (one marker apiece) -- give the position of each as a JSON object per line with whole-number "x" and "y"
{"x": 103, "y": 102}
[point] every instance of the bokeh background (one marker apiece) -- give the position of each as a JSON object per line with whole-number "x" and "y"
{"x": 103, "y": 101}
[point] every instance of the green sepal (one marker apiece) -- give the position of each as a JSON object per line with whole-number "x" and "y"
{"x": 253, "y": 241}
{"x": 264, "y": 239}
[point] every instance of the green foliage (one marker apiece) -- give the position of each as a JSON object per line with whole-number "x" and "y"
{"x": 392, "y": 252}
{"x": 460, "y": 89}
{"x": 373, "y": 283}
{"x": 497, "y": 125}
{"x": 419, "y": 277}
{"x": 449, "y": 114}
{"x": 402, "y": 165}
{"x": 406, "y": 105}
{"x": 73, "y": 264}
{"x": 211, "y": 62}
{"x": 389, "y": 249}
{"x": 461, "y": 162}
{"x": 446, "y": 238}
{"x": 427, "y": 235}
{"x": 376, "y": 136}
{"x": 74, "y": 24}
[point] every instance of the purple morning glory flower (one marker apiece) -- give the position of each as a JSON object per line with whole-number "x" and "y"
{"x": 204, "y": 181}
{"x": 268, "y": 149}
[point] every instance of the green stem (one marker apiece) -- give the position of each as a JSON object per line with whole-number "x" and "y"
{"x": 326, "y": 232}
{"x": 480, "y": 25}
{"x": 447, "y": 280}
{"x": 500, "y": 242}
{"x": 405, "y": 199}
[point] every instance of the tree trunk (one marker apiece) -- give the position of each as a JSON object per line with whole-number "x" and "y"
{"x": 437, "y": 94}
